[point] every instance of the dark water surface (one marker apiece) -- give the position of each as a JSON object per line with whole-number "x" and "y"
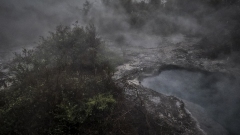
{"x": 218, "y": 94}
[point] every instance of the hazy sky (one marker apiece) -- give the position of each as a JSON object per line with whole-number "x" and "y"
{"x": 23, "y": 21}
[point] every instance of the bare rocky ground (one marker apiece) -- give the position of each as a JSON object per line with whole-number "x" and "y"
{"x": 188, "y": 118}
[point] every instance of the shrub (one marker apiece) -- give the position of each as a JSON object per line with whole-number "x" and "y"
{"x": 63, "y": 86}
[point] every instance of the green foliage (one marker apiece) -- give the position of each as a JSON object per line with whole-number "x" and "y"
{"x": 99, "y": 102}
{"x": 63, "y": 86}
{"x": 73, "y": 49}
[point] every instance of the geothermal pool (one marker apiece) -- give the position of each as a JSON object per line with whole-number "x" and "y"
{"x": 217, "y": 93}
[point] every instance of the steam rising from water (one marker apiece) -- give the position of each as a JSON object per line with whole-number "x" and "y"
{"x": 22, "y": 22}
{"x": 218, "y": 94}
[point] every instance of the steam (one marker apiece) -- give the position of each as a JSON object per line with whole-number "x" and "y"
{"x": 217, "y": 93}
{"x": 22, "y": 22}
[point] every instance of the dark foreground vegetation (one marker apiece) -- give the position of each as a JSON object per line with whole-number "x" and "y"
{"x": 63, "y": 86}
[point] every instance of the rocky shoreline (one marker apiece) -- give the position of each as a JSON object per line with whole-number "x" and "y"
{"x": 187, "y": 117}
